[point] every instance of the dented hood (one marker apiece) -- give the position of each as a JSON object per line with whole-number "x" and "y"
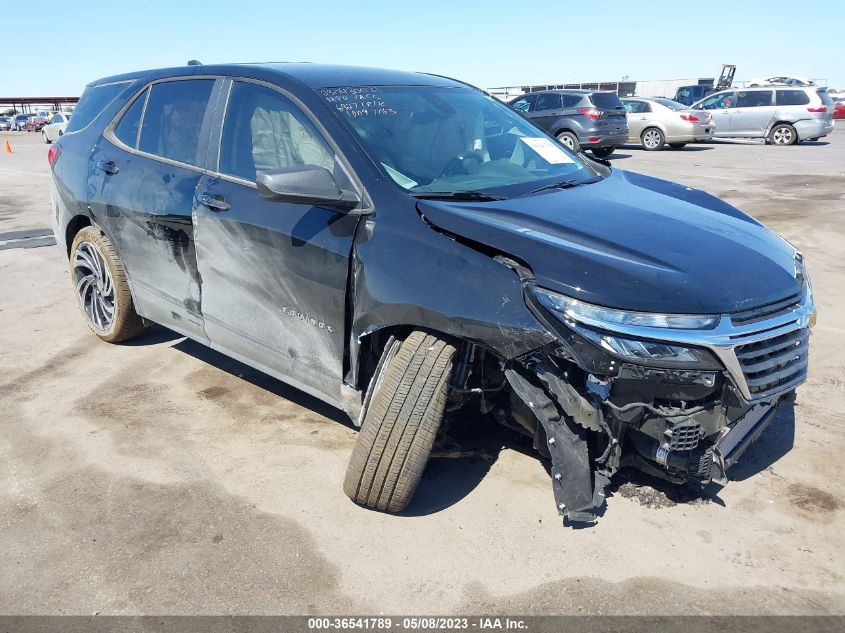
{"x": 632, "y": 241}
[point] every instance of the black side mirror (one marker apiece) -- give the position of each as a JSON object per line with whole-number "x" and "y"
{"x": 304, "y": 184}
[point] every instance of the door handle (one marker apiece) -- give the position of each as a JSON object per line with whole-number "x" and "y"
{"x": 108, "y": 166}
{"x": 213, "y": 202}
{"x": 643, "y": 118}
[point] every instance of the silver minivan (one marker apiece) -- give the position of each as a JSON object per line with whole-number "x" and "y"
{"x": 781, "y": 115}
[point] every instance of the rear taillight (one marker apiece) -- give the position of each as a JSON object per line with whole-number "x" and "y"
{"x": 53, "y": 154}
{"x": 821, "y": 109}
{"x": 691, "y": 118}
{"x": 591, "y": 113}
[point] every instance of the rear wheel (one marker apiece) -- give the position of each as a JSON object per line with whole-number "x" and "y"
{"x": 603, "y": 152}
{"x": 101, "y": 287}
{"x": 783, "y": 134}
{"x": 569, "y": 140}
{"x": 652, "y": 139}
{"x": 401, "y": 423}
{"x": 677, "y": 145}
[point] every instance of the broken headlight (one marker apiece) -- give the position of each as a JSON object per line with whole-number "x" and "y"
{"x": 596, "y": 324}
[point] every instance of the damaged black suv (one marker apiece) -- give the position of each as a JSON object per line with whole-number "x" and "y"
{"x": 406, "y": 248}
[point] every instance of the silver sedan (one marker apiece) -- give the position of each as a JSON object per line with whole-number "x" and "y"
{"x": 654, "y": 122}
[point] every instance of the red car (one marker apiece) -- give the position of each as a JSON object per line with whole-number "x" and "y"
{"x": 839, "y": 109}
{"x": 35, "y": 123}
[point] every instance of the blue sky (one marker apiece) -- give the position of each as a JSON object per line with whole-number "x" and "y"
{"x": 492, "y": 43}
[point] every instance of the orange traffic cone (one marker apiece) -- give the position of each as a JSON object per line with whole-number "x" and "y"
{"x": 8, "y": 148}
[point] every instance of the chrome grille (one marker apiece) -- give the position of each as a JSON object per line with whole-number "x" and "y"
{"x": 775, "y": 364}
{"x": 767, "y": 311}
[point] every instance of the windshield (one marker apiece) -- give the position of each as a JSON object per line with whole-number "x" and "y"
{"x": 434, "y": 139}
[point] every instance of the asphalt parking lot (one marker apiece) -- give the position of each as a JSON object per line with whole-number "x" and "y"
{"x": 158, "y": 477}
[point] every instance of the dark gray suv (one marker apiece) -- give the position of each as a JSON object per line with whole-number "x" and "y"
{"x": 580, "y": 119}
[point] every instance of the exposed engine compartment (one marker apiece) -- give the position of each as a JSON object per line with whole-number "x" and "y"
{"x": 684, "y": 426}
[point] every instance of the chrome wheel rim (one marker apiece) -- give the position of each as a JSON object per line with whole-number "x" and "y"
{"x": 651, "y": 139}
{"x": 782, "y": 136}
{"x": 567, "y": 141}
{"x": 94, "y": 286}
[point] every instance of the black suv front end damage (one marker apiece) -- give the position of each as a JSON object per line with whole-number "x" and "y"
{"x": 679, "y": 397}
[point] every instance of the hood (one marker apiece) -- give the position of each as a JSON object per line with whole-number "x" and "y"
{"x": 632, "y": 242}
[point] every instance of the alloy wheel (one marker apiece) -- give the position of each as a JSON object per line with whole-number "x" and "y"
{"x": 651, "y": 139}
{"x": 94, "y": 285}
{"x": 782, "y": 136}
{"x": 567, "y": 141}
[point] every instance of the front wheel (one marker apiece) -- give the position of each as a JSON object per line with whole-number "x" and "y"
{"x": 569, "y": 140}
{"x": 783, "y": 134}
{"x": 401, "y": 424}
{"x": 652, "y": 139}
{"x": 46, "y": 138}
{"x": 677, "y": 145}
{"x": 603, "y": 152}
{"x": 101, "y": 287}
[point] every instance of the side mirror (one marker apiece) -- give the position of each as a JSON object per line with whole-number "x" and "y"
{"x": 304, "y": 184}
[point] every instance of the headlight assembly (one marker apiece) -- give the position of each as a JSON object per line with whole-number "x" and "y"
{"x": 596, "y": 324}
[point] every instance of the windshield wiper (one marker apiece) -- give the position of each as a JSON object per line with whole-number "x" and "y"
{"x": 566, "y": 184}
{"x": 454, "y": 195}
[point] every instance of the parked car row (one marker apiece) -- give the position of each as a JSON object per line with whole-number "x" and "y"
{"x": 601, "y": 121}
{"x": 51, "y": 124}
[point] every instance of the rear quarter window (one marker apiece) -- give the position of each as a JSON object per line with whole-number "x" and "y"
{"x": 94, "y": 100}
{"x": 606, "y": 100}
{"x": 792, "y": 97}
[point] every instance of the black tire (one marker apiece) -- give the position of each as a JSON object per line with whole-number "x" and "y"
{"x": 126, "y": 324}
{"x": 677, "y": 145}
{"x": 401, "y": 424}
{"x": 783, "y": 134}
{"x": 603, "y": 152}
{"x": 652, "y": 139}
{"x": 569, "y": 140}
{"x": 46, "y": 138}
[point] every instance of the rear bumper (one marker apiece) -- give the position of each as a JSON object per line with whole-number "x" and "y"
{"x": 813, "y": 128}
{"x": 699, "y": 132}
{"x": 604, "y": 140}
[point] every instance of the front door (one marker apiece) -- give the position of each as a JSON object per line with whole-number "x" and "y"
{"x": 274, "y": 274}
{"x": 721, "y": 107}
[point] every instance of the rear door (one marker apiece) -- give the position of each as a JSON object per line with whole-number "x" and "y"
{"x": 274, "y": 274}
{"x": 143, "y": 174}
{"x": 639, "y": 118}
{"x": 752, "y": 114}
{"x": 546, "y": 110}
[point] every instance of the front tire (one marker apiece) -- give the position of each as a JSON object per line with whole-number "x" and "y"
{"x": 46, "y": 138}
{"x": 783, "y": 134}
{"x": 603, "y": 152}
{"x": 401, "y": 424}
{"x": 569, "y": 140}
{"x": 652, "y": 139}
{"x": 102, "y": 291}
